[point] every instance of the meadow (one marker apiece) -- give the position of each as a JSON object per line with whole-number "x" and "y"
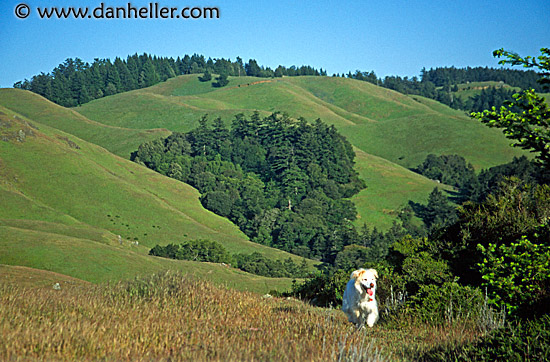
{"x": 172, "y": 317}
{"x": 65, "y": 202}
{"x": 402, "y": 129}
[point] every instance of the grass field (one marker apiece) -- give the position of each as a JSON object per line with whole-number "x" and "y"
{"x": 390, "y": 186}
{"x": 63, "y": 191}
{"x": 180, "y": 318}
{"x": 68, "y": 191}
{"x": 65, "y": 202}
{"x": 120, "y": 141}
{"x": 393, "y": 131}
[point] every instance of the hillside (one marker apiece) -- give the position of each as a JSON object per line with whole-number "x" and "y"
{"x": 65, "y": 201}
{"x": 120, "y": 141}
{"x": 391, "y": 131}
{"x": 402, "y": 129}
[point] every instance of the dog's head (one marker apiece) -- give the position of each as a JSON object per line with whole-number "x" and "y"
{"x": 365, "y": 281}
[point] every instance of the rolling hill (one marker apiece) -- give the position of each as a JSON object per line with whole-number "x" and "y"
{"x": 402, "y": 129}
{"x": 390, "y": 131}
{"x": 68, "y": 190}
{"x": 65, "y": 202}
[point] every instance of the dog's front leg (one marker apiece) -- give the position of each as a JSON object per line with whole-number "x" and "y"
{"x": 371, "y": 319}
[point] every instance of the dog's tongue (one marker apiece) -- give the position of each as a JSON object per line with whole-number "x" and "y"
{"x": 370, "y": 291}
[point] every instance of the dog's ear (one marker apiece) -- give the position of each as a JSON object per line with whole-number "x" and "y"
{"x": 357, "y": 274}
{"x": 374, "y": 272}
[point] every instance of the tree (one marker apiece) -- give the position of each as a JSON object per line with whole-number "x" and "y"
{"x": 530, "y": 127}
{"x": 148, "y": 75}
{"x": 221, "y": 81}
{"x": 206, "y": 76}
{"x": 439, "y": 212}
{"x": 252, "y": 68}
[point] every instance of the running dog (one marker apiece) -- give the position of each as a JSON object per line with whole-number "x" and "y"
{"x": 359, "y": 302}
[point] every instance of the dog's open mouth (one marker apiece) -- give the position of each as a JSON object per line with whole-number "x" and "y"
{"x": 368, "y": 288}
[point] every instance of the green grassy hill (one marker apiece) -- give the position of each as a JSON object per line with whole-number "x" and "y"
{"x": 65, "y": 195}
{"x": 402, "y": 129}
{"x": 391, "y": 131}
{"x": 120, "y": 141}
{"x": 65, "y": 201}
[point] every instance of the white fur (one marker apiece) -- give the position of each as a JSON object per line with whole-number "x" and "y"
{"x": 359, "y": 306}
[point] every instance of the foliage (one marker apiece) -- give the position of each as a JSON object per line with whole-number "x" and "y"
{"x": 221, "y": 81}
{"x": 352, "y": 256}
{"x": 441, "y": 84}
{"x": 446, "y": 303}
{"x": 258, "y": 264}
{"x": 214, "y": 252}
{"x": 513, "y": 210}
{"x": 529, "y": 127}
{"x": 75, "y": 82}
{"x": 324, "y": 289}
{"x": 488, "y": 181}
{"x": 542, "y": 62}
{"x": 416, "y": 260}
{"x": 206, "y": 77}
{"x": 369, "y": 246}
{"x": 491, "y": 97}
{"x": 518, "y": 341}
{"x": 286, "y": 184}
{"x": 195, "y": 250}
{"x": 438, "y": 213}
{"x": 448, "y": 169}
{"x": 518, "y": 275}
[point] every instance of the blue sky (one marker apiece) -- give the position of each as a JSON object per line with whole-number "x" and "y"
{"x": 389, "y": 37}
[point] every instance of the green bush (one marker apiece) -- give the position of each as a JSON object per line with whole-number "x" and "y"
{"x": 519, "y": 341}
{"x": 417, "y": 262}
{"x": 259, "y": 264}
{"x": 447, "y": 303}
{"x": 324, "y": 289}
{"x": 517, "y": 275}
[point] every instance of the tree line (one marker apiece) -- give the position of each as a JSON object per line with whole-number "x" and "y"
{"x": 441, "y": 84}
{"x": 213, "y": 252}
{"x": 75, "y": 82}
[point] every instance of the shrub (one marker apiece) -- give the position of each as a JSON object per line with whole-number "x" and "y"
{"x": 324, "y": 289}
{"x": 415, "y": 259}
{"x": 259, "y": 264}
{"x": 517, "y": 275}
{"x": 519, "y": 341}
{"x": 447, "y": 303}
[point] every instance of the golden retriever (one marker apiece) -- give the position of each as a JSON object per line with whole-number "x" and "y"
{"x": 359, "y": 302}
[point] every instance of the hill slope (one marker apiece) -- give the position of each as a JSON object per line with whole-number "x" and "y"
{"x": 378, "y": 208}
{"x": 65, "y": 201}
{"x": 120, "y": 141}
{"x": 402, "y": 129}
{"x": 391, "y": 131}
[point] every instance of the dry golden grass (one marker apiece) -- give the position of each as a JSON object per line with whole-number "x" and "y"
{"x": 173, "y": 317}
